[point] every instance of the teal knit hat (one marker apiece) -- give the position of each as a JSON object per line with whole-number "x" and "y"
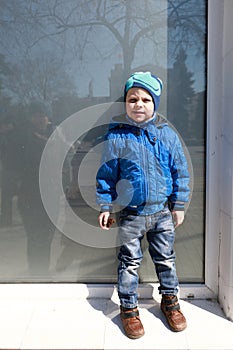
{"x": 148, "y": 82}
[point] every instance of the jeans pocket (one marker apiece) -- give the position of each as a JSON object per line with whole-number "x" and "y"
{"x": 166, "y": 211}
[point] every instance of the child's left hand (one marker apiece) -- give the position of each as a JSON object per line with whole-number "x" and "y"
{"x": 178, "y": 217}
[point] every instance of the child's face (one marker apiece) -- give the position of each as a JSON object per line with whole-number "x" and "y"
{"x": 139, "y": 105}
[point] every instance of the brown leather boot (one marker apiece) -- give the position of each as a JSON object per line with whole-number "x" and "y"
{"x": 131, "y": 323}
{"x": 171, "y": 309}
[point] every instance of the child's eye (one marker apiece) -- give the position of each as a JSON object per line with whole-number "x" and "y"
{"x": 132, "y": 100}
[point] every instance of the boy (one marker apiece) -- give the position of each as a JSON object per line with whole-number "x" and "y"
{"x": 145, "y": 155}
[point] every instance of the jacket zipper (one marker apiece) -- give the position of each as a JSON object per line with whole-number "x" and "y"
{"x": 145, "y": 166}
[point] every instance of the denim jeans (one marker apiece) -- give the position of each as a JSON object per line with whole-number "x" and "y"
{"x": 160, "y": 232}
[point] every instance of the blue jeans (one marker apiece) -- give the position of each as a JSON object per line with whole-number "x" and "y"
{"x": 160, "y": 232}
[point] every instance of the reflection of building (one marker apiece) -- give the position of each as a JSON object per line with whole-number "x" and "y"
{"x": 90, "y": 88}
{"x": 116, "y": 81}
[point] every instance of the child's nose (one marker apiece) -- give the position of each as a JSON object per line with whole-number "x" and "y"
{"x": 139, "y": 102}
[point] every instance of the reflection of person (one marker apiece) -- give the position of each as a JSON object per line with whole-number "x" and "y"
{"x": 38, "y": 227}
{"x": 144, "y": 153}
{"x": 10, "y": 155}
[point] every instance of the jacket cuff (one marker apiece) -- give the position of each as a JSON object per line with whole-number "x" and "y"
{"x": 106, "y": 207}
{"x": 178, "y": 206}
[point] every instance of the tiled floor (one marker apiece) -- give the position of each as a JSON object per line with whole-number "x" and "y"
{"x": 43, "y": 317}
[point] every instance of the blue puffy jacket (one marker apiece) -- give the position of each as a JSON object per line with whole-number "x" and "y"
{"x": 143, "y": 167}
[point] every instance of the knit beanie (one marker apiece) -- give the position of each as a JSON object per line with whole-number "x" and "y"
{"x": 148, "y": 82}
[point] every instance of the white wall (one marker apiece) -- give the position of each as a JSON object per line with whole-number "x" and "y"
{"x": 219, "y": 223}
{"x": 226, "y": 167}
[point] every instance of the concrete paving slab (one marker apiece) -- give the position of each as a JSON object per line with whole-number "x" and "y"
{"x": 63, "y": 319}
{"x": 66, "y": 325}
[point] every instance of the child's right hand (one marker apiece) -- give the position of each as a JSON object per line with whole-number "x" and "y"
{"x": 178, "y": 217}
{"x": 103, "y": 220}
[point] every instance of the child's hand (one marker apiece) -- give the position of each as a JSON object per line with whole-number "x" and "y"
{"x": 178, "y": 217}
{"x": 105, "y": 221}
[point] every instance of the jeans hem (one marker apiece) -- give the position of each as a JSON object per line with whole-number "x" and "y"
{"x": 174, "y": 291}
{"x": 129, "y": 306}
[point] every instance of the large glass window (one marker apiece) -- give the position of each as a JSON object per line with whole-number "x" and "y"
{"x": 63, "y": 64}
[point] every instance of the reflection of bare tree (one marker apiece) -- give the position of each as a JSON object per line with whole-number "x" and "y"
{"x": 127, "y": 24}
{"x": 187, "y": 20}
{"x": 42, "y": 78}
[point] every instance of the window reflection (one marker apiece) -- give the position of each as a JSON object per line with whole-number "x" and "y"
{"x": 60, "y": 57}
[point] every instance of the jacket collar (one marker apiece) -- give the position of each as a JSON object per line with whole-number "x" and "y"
{"x": 157, "y": 120}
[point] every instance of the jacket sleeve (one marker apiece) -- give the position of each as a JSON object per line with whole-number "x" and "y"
{"x": 180, "y": 177}
{"x": 107, "y": 177}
